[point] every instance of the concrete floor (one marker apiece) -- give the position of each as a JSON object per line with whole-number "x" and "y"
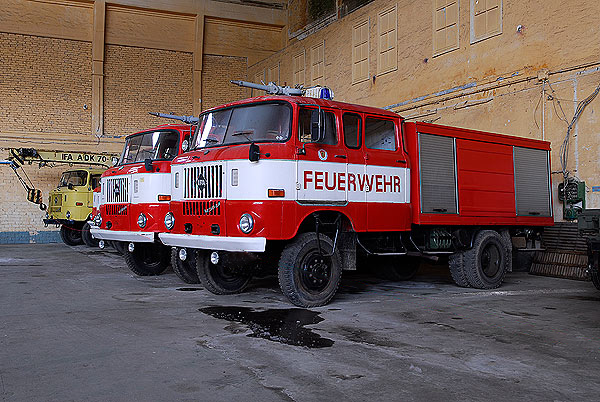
{"x": 76, "y": 325}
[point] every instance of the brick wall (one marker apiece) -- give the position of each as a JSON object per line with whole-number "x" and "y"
{"x": 21, "y": 220}
{"x": 138, "y": 81}
{"x": 216, "y": 73}
{"x": 45, "y": 84}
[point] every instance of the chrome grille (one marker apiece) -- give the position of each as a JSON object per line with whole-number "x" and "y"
{"x": 202, "y": 208}
{"x": 117, "y": 189}
{"x": 116, "y": 209}
{"x": 203, "y": 182}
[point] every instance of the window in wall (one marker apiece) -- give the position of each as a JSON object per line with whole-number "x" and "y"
{"x": 317, "y": 60}
{"x": 352, "y": 130}
{"x": 387, "y": 56}
{"x": 360, "y": 51}
{"x": 445, "y": 26}
{"x": 380, "y": 134}
{"x": 486, "y": 19}
{"x": 298, "y": 63}
{"x": 273, "y": 74}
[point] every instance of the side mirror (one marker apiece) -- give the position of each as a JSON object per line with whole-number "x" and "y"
{"x": 148, "y": 165}
{"x": 254, "y": 153}
{"x": 317, "y": 128}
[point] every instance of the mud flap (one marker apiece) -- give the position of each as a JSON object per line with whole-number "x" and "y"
{"x": 347, "y": 249}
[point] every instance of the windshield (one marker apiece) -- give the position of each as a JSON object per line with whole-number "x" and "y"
{"x": 75, "y": 178}
{"x": 244, "y": 124}
{"x": 151, "y": 145}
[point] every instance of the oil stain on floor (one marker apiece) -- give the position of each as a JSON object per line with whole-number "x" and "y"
{"x": 278, "y": 325}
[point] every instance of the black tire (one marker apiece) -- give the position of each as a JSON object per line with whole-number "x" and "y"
{"x": 593, "y": 260}
{"x": 596, "y": 279}
{"x": 487, "y": 262}
{"x": 457, "y": 269}
{"x": 120, "y": 246}
{"x": 400, "y": 268}
{"x": 185, "y": 270}
{"x": 219, "y": 278}
{"x": 148, "y": 259}
{"x": 86, "y": 236}
{"x": 307, "y": 278}
{"x": 70, "y": 236}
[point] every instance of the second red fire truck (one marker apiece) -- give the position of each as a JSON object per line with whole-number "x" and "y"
{"x": 135, "y": 196}
{"x": 302, "y": 185}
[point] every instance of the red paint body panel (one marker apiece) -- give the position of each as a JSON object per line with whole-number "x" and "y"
{"x": 485, "y": 179}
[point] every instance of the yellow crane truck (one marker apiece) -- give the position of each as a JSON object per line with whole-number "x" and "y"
{"x": 70, "y": 204}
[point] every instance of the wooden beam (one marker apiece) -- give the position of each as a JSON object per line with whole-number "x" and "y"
{"x": 98, "y": 68}
{"x": 197, "y": 73}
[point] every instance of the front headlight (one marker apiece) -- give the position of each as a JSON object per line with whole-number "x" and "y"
{"x": 246, "y": 223}
{"x": 142, "y": 220}
{"x": 98, "y": 220}
{"x": 169, "y": 220}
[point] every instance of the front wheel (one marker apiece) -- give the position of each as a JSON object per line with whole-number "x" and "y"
{"x": 86, "y": 236}
{"x": 185, "y": 270}
{"x": 70, "y": 235}
{"x": 147, "y": 259}
{"x": 309, "y": 277}
{"x": 218, "y": 276}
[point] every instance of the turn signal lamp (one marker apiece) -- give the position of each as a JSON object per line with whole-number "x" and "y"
{"x": 164, "y": 197}
{"x": 276, "y": 192}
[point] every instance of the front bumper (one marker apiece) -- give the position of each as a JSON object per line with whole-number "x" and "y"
{"x": 53, "y": 221}
{"x": 225, "y": 243}
{"x": 122, "y": 235}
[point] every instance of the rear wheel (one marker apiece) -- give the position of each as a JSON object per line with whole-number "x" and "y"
{"x": 307, "y": 277}
{"x": 220, "y": 278}
{"x": 486, "y": 263}
{"x": 185, "y": 270}
{"x": 86, "y": 236}
{"x": 457, "y": 269}
{"x": 70, "y": 236}
{"x": 148, "y": 259}
{"x": 397, "y": 268}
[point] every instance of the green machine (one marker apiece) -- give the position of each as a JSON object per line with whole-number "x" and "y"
{"x": 572, "y": 195}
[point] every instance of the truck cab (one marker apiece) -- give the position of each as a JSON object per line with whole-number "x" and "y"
{"x": 135, "y": 196}
{"x": 70, "y": 204}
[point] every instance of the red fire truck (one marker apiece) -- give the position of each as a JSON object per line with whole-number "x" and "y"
{"x": 135, "y": 196}
{"x": 305, "y": 184}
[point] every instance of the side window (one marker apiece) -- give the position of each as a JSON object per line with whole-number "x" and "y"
{"x": 380, "y": 134}
{"x": 352, "y": 130}
{"x": 305, "y": 120}
{"x": 95, "y": 181}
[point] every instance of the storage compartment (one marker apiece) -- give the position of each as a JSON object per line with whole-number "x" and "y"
{"x": 437, "y": 165}
{"x": 532, "y": 182}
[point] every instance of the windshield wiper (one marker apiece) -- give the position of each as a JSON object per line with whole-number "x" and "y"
{"x": 245, "y": 133}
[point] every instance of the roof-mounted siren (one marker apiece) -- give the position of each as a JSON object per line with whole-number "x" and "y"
{"x": 274, "y": 89}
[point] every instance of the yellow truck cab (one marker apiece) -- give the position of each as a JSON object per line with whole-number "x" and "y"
{"x": 70, "y": 204}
